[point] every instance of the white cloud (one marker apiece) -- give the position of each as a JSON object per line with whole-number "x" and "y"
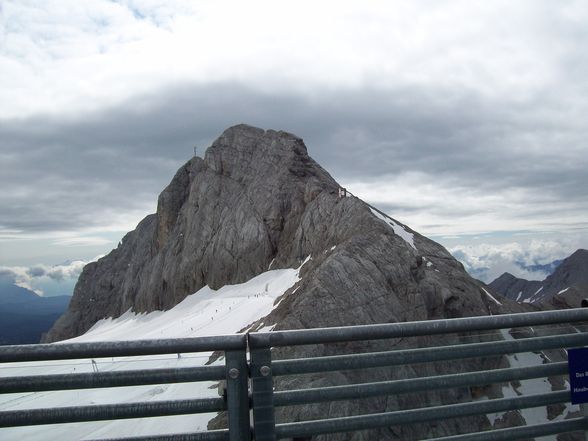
{"x": 441, "y": 206}
{"x": 45, "y": 279}
{"x": 487, "y": 261}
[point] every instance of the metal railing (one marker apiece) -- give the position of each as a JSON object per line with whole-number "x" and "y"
{"x": 234, "y": 372}
{"x": 251, "y": 385}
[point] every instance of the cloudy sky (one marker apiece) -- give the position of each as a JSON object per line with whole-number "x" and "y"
{"x": 465, "y": 120}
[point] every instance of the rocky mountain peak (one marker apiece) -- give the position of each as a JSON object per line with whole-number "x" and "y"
{"x": 243, "y": 151}
{"x": 569, "y": 279}
{"x": 258, "y": 201}
{"x": 222, "y": 219}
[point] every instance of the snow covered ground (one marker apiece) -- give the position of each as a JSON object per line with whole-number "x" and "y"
{"x": 207, "y": 312}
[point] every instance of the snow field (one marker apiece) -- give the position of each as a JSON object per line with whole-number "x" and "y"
{"x": 206, "y": 312}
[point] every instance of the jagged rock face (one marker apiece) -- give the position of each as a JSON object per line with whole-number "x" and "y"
{"x": 258, "y": 201}
{"x": 562, "y": 289}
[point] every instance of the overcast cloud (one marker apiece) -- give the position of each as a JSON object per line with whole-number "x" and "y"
{"x": 43, "y": 279}
{"x": 465, "y": 120}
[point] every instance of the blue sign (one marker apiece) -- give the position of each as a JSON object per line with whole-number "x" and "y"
{"x": 578, "y": 368}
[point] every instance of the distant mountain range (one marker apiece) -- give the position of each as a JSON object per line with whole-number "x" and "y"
{"x": 563, "y": 288}
{"x": 25, "y": 316}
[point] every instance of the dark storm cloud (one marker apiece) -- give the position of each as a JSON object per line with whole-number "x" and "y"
{"x": 61, "y": 173}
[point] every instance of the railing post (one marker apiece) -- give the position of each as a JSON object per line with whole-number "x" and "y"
{"x": 262, "y": 388}
{"x": 237, "y": 395}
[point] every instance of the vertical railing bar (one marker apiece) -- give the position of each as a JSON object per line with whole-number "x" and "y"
{"x": 237, "y": 378}
{"x": 262, "y": 388}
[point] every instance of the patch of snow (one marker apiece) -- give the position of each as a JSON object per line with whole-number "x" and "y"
{"x": 398, "y": 229}
{"x": 519, "y": 296}
{"x": 207, "y": 312}
{"x": 268, "y": 328}
{"x": 305, "y": 261}
{"x": 491, "y": 297}
{"x": 563, "y": 290}
{"x": 507, "y": 392}
{"x": 535, "y": 297}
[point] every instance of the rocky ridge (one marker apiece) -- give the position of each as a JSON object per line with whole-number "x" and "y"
{"x": 257, "y": 201}
{"x": 564, "y": 288}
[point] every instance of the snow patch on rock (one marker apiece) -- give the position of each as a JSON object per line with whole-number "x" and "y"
{"x": 398, "y": 229}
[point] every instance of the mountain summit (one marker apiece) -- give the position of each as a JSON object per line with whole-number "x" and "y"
{"x": 257, "y": 201}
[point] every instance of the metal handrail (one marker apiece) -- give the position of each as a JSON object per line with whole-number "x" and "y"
{"x": 233, "y": 373}
{"x": 68, "y": 351}
{"x": 264, "y": 368}
{"x": 425, "y": 414}
{"x": 74, "y": 414}
{"x": 92, "y": 380}
{"x": 414, "y": 329}
{"x": 425, "y": 355}
{"x": 411, "y": 385}
{"x": 249, "y": 385}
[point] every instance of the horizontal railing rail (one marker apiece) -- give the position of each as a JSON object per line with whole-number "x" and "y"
{"x": 92, "y": 380}
{"x": 414, "y": 329}
{"x": 211, "y": 435}
{"x": 67, "y": 351}
{"x": 364, "y": 390}
{"x": 425, "y": 355}
{"x": 412, "y": 416}
{"x": 74, "y": 414}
